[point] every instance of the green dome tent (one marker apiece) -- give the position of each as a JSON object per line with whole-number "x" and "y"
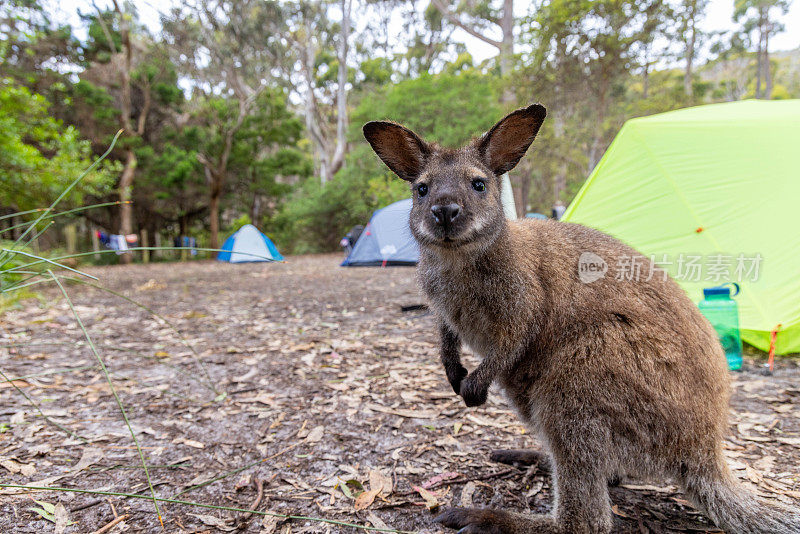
{"x": 719, "y": 182}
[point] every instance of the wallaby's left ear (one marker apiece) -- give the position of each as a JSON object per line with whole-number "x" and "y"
{"x": 504, "y": 145}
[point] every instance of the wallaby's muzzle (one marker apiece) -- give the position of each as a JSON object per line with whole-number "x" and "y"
{"x": 445, "y": 215}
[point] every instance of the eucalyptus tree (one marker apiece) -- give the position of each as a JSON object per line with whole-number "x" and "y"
{"x": 322, "y": 49}
{"x": 483, "y": 19}
{"x": 758, "y": 16}
{"x": 232, "y": 51}
{"x": 689, "y": 14}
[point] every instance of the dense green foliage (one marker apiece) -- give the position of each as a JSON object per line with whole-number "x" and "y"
{"x": 39, "y": 157}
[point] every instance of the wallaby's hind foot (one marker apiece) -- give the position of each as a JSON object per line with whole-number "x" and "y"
{"x": 490, "y": 521}
{"x": 522, "y": 458}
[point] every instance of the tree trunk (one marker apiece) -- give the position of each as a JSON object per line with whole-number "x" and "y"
{"x": 560, "y": 183}
{"x": 145, "y": 243}
{"x": 213, "y": 208}
{"x": 690, "y": 45}
{"x": 217, "y": 171}
{"x": 341, "y": 94}
{"x": 125, "y": 208}
{"x": 767, "y": 66}
{"x": 524, "y": 193}
{"x": 507, "y": 42}
{"x": 255, "y": 209}
{"x": 126, "y": 180}
{"x": 329, "y": 153}
{"x": 95, "y": 242}
{"x": 759, "y": 52}
{"x": 318, "y": 139}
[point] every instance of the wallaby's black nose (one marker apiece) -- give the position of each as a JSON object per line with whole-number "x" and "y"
{"x": 444, "y": 215}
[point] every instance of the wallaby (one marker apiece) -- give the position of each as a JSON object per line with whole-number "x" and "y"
{"x": 617, "y": 375}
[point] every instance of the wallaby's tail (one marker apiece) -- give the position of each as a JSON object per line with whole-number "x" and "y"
{"x": 733, "y": 508}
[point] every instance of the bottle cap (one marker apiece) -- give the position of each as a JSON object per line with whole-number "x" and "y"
{"x": 716, "y": 291}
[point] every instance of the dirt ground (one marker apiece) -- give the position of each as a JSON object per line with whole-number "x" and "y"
{"x": 322, "y": 382}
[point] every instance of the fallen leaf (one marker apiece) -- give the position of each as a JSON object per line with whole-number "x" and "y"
{"x": 376, "y": 521}
{"x": 90, "y": 456}
{"x": 789, "y": 441}
{"x": 18, "y": 467}
{"x": 431, "y": 502}
{"x": 190, "y": 443}
{"x": 379, "y": 484}
{"x": 48, "y": 508}
{"x": 485, "y": 422}
{"x": 316, "y": 434}
{"x": 619, "y": 513}
{"x": 378, "y": 477}
{"x": 414, "y": 414}
{"x": 244, "y": 481}
{"x": 61, "y": 518}
{"x": 269, "y": 524}
{"x": 466, "y": 494}
{"x": 215, "y": 522}
{"x": 536, "y": 487}
{"x": 365, "y": 499}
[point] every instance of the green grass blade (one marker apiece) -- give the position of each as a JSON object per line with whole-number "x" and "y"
{"x": 18, "y": 245}
{"x": 62, "y": 213}
{"x": 46, "y": 260}
{"x": 19, "y": 213}
{"x": 134, "y": 249}
{"x": 113, "y": 390}
{"x": 213, "y": 507}
{"x": 70, "y": 187}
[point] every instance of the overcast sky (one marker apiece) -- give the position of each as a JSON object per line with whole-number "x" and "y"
{"x": 719, "y": 18}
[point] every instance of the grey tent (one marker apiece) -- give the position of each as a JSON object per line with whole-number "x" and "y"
{"x": 386, "y": 240}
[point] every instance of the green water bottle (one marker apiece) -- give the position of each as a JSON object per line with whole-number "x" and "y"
{"x": 723, "y": 314}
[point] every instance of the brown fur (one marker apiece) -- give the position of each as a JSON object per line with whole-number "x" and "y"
{"x": 617, "y": 377}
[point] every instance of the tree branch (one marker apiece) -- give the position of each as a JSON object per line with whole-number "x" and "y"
{"x": 104, "y": 28}
{"x": 148, "y": 100}
{"x": 445, "y": 11}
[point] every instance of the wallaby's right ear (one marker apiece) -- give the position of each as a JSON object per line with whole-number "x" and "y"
{"x": 399, "y": 148}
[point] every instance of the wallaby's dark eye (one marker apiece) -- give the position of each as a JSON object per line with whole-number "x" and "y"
{"x": 422, "y": 189}
{"x": 478, "y": 185}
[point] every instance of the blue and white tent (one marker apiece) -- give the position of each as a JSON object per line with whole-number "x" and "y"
{"x": 386, "y": 240}
{"x": 248, "y": 244}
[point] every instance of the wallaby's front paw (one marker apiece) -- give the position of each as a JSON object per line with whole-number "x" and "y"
{"x": 455, "y": 375}
{"x": 473, "y": 391}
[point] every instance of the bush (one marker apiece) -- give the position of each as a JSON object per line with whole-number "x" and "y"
{"x": 316, "y": 217}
